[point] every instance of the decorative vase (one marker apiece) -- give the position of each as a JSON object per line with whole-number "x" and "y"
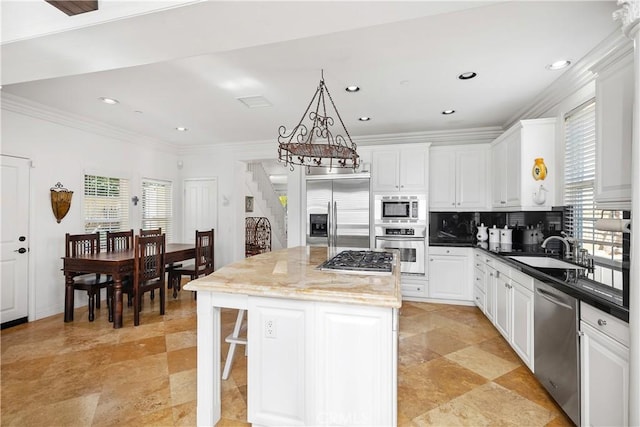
{"x": 539, "y": 171}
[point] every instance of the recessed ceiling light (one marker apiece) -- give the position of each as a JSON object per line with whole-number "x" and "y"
{"x": 468, "y": 75}
{"x": 559, "y": 65}
{"x": 181, "y": 129}
{"x": 447, "y": 112}
{"x": 364, "y": 118}
{"x": 109, "y": 101}
{"x": 352, "y": 88}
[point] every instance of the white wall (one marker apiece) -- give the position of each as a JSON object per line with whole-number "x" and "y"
{"x": 63, "y": 154}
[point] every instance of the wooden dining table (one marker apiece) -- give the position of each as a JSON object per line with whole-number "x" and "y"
{"x": 117, "y": 264}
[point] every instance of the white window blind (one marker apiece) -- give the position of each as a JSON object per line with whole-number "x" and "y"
{"x": 106, "y": 205}
{"x": 579, "y": 183}
{"x": 157, "y": 206}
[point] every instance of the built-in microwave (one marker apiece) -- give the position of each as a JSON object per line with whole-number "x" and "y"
{"x": 400, "y": 208}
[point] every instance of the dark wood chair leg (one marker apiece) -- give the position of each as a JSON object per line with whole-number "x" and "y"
{"x": 162, "y": 300}
{"x": 153, "y": 294}
{"x": 92, "y": 299}
{"x": 136, "y": 309}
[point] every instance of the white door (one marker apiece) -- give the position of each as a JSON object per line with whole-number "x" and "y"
{"x": 15, "y": 239}
{"x": 200, "y": 207}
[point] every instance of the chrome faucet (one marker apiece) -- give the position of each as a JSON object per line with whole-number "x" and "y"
{"x": 563, "y": 239}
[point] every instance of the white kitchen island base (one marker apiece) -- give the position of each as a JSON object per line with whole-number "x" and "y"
{"x": 314, "y": 358}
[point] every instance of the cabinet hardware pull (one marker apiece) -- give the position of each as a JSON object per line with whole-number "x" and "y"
{"x": 602, "y": 322}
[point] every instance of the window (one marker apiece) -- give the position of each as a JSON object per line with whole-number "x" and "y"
{"x": 581, "y": 212}
{"x": 106, "y": 205}
{"x": 157, "y": 206}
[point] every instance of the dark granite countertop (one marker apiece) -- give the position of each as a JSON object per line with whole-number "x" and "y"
{"x": 588, "y": 294}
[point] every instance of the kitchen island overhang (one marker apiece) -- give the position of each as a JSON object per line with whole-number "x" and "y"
{"x": 331, "y": 357}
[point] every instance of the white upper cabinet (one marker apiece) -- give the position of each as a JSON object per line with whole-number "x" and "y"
{"x": 458, "y": 178}
{"x": 401, "y": 169}
{"x": 513, "y": 156}
{"x": 614, "y": 123}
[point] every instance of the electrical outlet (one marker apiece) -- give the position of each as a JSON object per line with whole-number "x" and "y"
{"x": 270, "y": 328}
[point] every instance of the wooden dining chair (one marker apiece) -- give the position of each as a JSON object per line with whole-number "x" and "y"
{"x": 120, "y": 241}
{"x": 87, "y": 244}
{"x": 148, "y": 271}
{"x": 202, "y": 264}
{"x": 151, "y": 232}
{"x": 154, "y": 232}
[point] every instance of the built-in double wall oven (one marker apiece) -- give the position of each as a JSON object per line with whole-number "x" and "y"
{"x": 401, "y": 223}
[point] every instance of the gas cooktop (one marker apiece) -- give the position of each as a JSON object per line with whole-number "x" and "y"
{"x": 369, "y": 262}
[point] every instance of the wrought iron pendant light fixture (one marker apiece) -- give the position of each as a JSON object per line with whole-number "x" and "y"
{"x": 310, "y": 146}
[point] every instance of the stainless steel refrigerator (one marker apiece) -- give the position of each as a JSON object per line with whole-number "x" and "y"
{"x": 338, "y": 211}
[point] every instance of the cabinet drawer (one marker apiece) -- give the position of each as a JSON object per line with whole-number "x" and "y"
{"x": 605, "y": 323}
{"x": 479, "y": 297}
{"x": 522, "y": 279}
{"x": 478, "y": 279}
{"x": 414, "y": 290}
{"x": 448, "y": 250}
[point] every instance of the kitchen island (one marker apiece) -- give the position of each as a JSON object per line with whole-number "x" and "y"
{"x": 322, "y": 346}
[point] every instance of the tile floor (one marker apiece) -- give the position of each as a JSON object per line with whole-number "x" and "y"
{"x": 454, "y": 369}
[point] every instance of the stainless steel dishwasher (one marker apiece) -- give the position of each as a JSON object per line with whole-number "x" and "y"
{"x": 557, "y": 355}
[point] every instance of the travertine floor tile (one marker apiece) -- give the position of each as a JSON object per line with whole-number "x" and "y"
{"x": 86, "y": 373}
{"x": 486, "y": 406}
{"x": 482, "y": 362}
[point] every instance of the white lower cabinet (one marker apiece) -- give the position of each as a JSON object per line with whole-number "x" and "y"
{"x": 604, "y": 368}
{"x": 414, "y": 288}
{"x": 522, "y": 323}
{"x": 313, "y": 363}
{"x": 504, "y": 306}
{"x": 450, "y": 273}
{"x": 509, "y": 305}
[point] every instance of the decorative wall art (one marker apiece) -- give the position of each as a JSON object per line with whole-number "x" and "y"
{"x": 248, "y": 204}
{"x": 60, "y": 201}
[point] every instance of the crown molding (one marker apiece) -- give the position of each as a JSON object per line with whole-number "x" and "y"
{"x": 23, "y": 106}
{"x": 573, "y": 79}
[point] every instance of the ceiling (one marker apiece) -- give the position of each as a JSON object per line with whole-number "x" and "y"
{"x": 179, "y": 63}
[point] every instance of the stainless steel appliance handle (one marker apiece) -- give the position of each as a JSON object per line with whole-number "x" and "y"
{"x": 401, "y": 239}
{"x": 329, "y": 225}
{"x": 335, "y": 224}
{"x": 552, "y": 298}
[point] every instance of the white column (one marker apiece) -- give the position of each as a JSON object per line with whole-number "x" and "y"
{"x": 629, "y": 15}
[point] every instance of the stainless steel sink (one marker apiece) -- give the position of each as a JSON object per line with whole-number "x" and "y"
{"x": 554, "y": 267}
{"x": 545, "y": 262}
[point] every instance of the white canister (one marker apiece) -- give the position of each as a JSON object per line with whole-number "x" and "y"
{"x": 483, "y": 234}
{"x": 506, "y": 236}
{"x": 494, "y": 235}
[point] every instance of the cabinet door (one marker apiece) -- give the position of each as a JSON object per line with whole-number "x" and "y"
{"x": 614, "y": 123}
{"x": 499, "y": 175}
{"x": 522, "y": 323}
{"x": 384, "y": 175}
{"x": 414, "y": 170}
{"x": 278, "y": 386}
{"x": 604, "y": 366}
{"x": 357, "y": 371}
{"x": 503, "y": 306}
{"x": 448, "y": 278}
{"x": 442, "y": 179}
{"x": 490, "y": 302}
{"x": 513, "y": 169}
{"x": 471, "y": 182}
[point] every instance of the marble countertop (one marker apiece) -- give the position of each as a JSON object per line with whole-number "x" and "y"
{"x": 291, "y": 273}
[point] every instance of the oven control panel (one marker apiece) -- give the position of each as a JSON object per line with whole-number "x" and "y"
{"x": 399, "y": 231}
